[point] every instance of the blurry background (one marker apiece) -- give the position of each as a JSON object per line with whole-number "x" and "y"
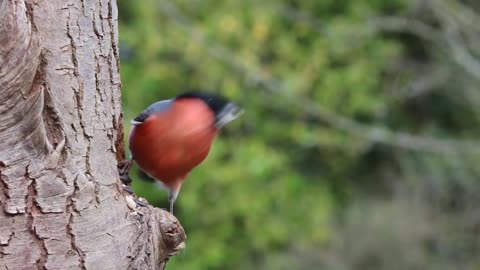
{"x": 359, "y": 146}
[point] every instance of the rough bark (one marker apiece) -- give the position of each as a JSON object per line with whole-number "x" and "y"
{"x": 61, "y": 203}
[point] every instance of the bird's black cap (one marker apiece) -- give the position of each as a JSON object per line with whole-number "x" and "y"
{"x": 214, "y": 101}
{"x": 225, "y": 111}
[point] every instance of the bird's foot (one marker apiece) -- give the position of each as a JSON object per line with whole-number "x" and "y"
{"x": 124, "y": 166}
{"x": 125, "y": 178}
{"x": 141, "y": 202}
{"x": 123, "y": 170}
{"x": 128, "y": 189}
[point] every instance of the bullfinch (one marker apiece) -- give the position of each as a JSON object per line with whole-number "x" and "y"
{"x": 171, "y": 137}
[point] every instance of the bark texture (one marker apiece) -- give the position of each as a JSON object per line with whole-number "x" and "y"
{"x": 61, "y": 203}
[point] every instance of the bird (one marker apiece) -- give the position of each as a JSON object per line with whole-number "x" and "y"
{"x": 172, "y": 137}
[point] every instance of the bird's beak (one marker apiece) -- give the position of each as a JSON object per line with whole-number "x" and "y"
{"x": 229, "y": 113}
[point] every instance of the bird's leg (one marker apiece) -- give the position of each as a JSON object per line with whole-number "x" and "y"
{"x": 141, "y": 202}
{"x": 171, "y": 207}
{"x": 172, "y": 197}
{"x": 171, "y": 201}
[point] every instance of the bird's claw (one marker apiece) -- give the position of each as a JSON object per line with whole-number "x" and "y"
{"x": 128, "y": 189}
{"x": 125, "y": 178}
{"x": 141, "y": 202}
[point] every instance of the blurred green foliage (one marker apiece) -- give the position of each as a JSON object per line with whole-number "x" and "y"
{"x": 280, "y": 185}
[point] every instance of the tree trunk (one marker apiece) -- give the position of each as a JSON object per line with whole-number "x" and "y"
{"x": 61, "y": 136}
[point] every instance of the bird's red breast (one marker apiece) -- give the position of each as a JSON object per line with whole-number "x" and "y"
{"x": 168, "y": 145}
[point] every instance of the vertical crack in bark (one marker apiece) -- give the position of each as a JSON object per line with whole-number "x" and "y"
{"x": 70, "y": 209}
{"x": 95, "y": 28}
{"x": 4, "y": 189}
{"x": 117, "y": 123}
{"x": 97, "y": 85}
{"x": 119, "y": 145}
{"x": 96, "y": 184}
{"x": 83, "y": 6}
{"x": 73, "y": 242}
{"x": 79, "y": 91}
{"x": 114, "y": 46}
{"x": 3, "y": 197}
{"x": 73, "y": 47}
{"x": 100, "y": 15}
{"x": 79, "y": 101}
{"x": 32, "y": 211}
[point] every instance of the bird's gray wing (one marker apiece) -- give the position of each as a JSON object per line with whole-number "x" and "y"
{"x": 160, "y": 106}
